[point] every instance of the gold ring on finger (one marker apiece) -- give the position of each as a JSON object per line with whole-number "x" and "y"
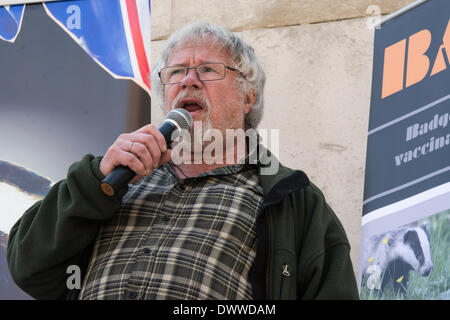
{"x": 130, "y": 145}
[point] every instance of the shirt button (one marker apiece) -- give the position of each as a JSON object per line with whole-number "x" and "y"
{"x": 146, "y": 251}
{"x": 165, "y": 218}
{"x": 132, "y": 295}
{"x": 182, "y": 187}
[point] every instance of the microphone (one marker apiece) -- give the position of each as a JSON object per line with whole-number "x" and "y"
{"x": 177, "y": 119}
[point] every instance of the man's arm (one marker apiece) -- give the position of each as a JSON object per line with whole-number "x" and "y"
{"x": 326, "y": 268}
{"x": 331, "y": 276}
{"x": 55, "y": 232}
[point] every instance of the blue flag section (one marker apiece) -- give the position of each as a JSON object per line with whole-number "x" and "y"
{"x": 406, "y": 220}
{"x": 89, "y": 22}
{"x": 115, "y": 33}
{"x": 10, "y": 21}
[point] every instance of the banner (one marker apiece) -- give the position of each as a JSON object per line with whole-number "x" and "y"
{"x": 406, "y": 217}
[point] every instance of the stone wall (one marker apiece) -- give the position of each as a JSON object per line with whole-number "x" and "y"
{"x": 317, "y": 55}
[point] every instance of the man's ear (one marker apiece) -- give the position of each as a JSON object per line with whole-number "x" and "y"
{"x": 249, "y": 100}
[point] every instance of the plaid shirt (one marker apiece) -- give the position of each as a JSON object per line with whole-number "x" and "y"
{"x": 173, "y": 239}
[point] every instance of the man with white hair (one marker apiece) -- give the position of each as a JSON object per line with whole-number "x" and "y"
{"x": 222, "y": 229}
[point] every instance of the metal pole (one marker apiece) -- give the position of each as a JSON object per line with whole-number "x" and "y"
{"x": 12, "y": 2}
{"x": 400, "y": 12}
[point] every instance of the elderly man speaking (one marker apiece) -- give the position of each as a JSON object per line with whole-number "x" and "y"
{"x": 187, "y": 229}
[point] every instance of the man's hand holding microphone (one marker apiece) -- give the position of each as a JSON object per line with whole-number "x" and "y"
{"x": 135, "y": 155}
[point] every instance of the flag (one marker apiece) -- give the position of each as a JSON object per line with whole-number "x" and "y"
{"x": 11, "y": 21}
{"x": 115, "y": 33}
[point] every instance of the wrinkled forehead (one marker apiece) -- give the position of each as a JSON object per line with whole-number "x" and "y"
{"x": 207, "y": 43}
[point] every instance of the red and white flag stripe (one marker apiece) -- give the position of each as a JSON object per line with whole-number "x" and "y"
{"x": 136, "y": 19}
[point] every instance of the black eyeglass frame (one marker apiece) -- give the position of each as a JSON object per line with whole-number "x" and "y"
{"x": 196, "y": 71}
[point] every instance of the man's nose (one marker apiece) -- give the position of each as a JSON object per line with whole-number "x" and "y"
{"x": 191, "y": 80}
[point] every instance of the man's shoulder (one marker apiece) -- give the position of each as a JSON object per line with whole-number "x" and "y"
{"x": 284, "y": 180}
{"x": 304, "y": 196}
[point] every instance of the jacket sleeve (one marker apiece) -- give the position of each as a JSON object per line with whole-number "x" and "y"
{"x": 325, "y": 267}
{"x": 54, "y": 233}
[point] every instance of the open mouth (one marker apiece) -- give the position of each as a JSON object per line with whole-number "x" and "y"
{"x": 191, "y": 105}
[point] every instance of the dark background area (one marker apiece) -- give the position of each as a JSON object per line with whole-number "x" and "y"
{"x": 56, "y": 105}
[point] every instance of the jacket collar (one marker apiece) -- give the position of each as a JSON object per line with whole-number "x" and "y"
{"x": 278, "y": 185}
{"x": 277, "y": 180}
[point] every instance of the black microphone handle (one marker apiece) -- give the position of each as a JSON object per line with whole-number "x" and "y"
{"x": 118, "y": 178}
{"x": 121, "y": 175}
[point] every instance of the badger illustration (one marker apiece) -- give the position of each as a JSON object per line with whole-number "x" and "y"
{"x": 389, "y": 257}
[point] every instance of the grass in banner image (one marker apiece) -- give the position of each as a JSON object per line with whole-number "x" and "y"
{"x": 410, "y": 262}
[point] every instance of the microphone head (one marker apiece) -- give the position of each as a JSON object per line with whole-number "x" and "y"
{"x": 182, "y": 117}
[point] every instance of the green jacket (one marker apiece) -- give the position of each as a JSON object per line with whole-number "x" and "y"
{"x": 302, "y": 248}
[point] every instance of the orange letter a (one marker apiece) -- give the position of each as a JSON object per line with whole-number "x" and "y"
{"x": 439, "y": 63}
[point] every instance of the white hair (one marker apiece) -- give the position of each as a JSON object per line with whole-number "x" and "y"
{"x": 240, "y": 53}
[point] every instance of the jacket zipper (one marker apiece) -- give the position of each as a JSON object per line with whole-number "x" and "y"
{"x": 285, "y": 273}
{"x": 269, "y": 231}
{"x": 269, "y": 249}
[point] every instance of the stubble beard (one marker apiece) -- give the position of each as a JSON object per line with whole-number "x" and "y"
{"x": 199, "y": 135}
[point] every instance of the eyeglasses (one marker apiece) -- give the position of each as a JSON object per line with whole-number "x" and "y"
{"x": 205, "y": 72}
